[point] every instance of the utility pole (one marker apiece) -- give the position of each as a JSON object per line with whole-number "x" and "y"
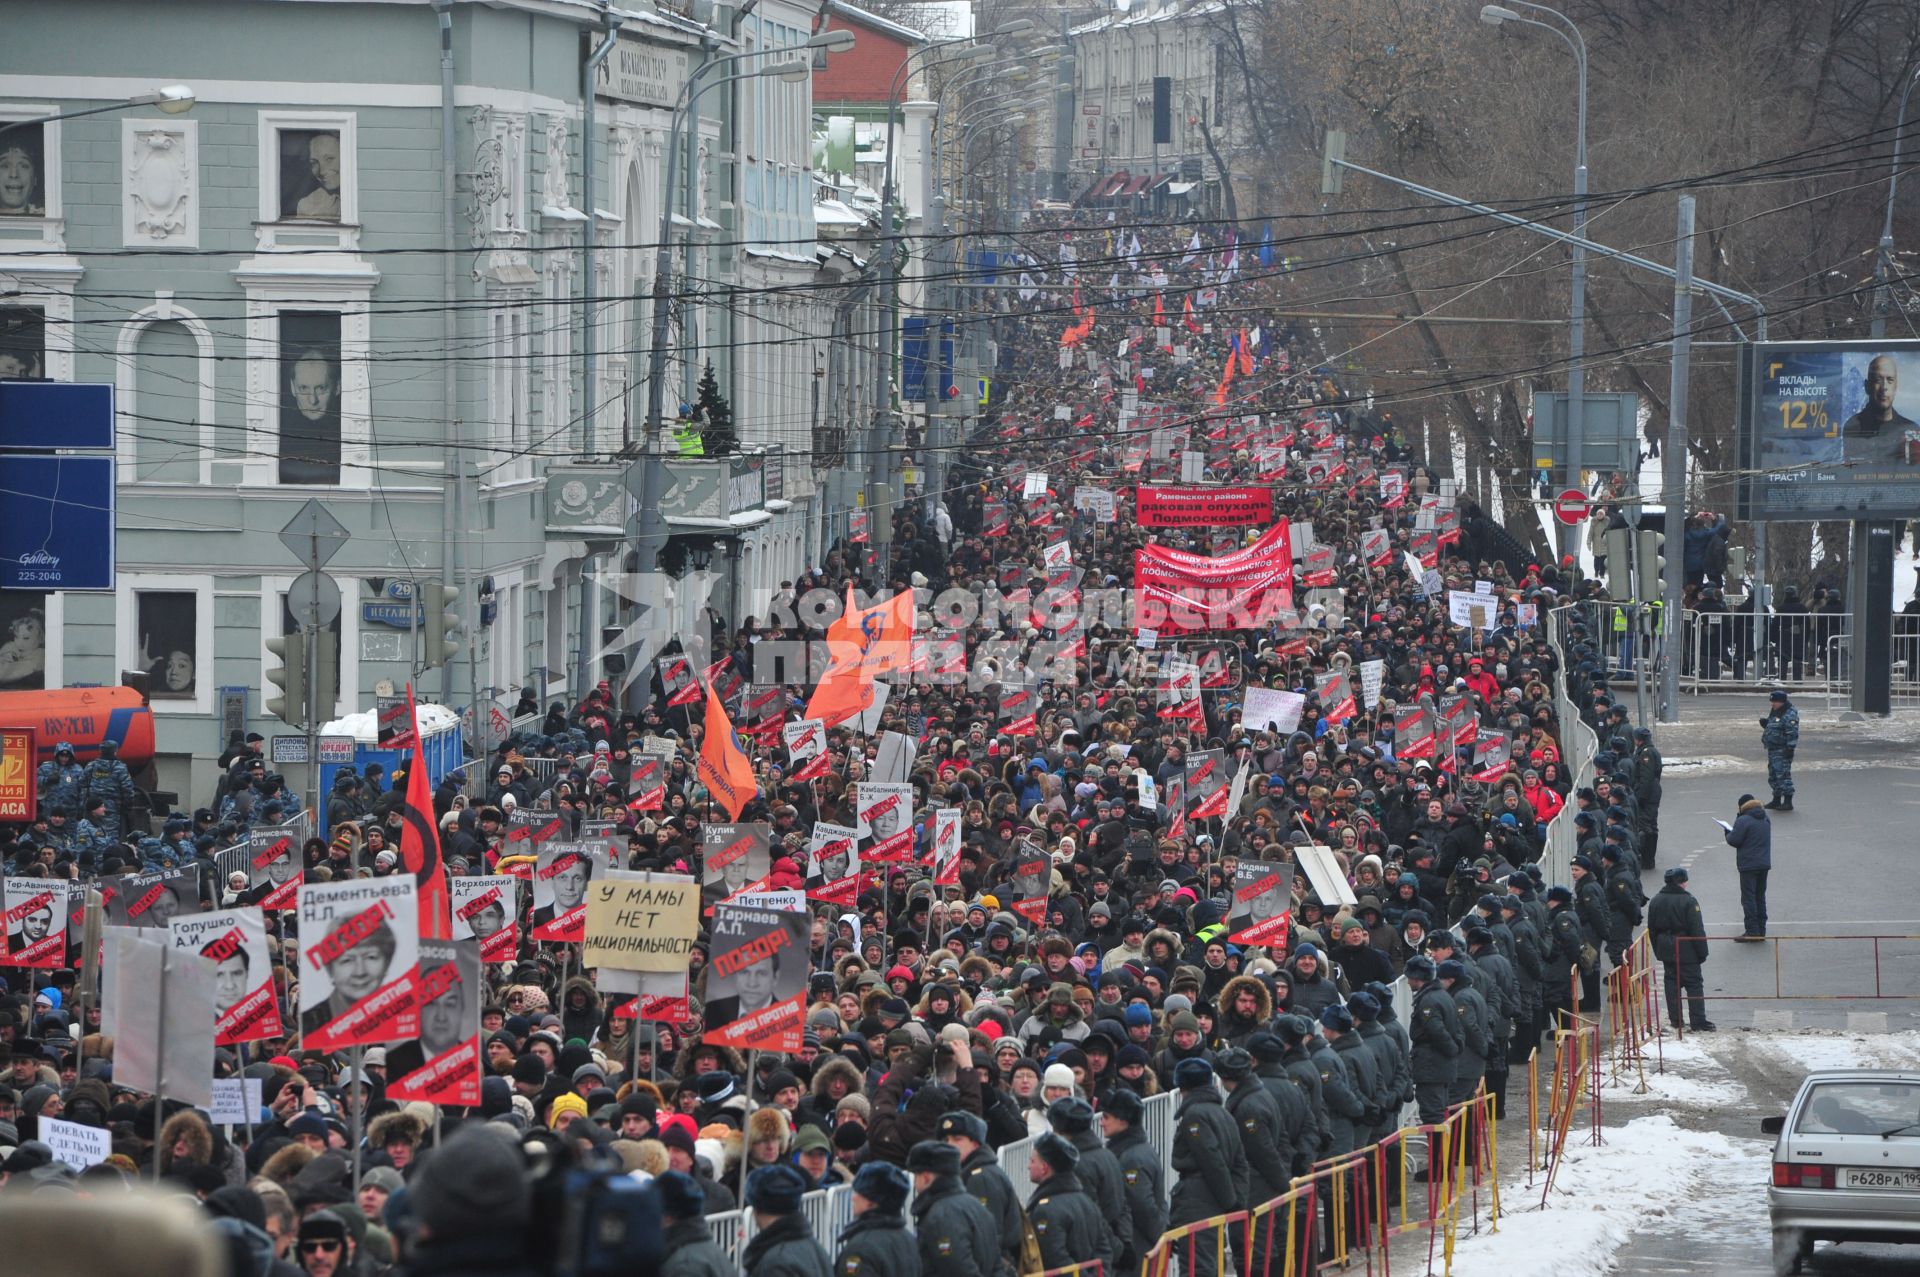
{"x": 1673, "y": 460}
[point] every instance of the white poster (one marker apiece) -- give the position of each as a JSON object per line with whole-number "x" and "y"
{"x": 893, "y": 760}
{"x": 76, "y": 1145}
{"x": 137, "y": 963}
{"x": 946, "y": 846}
{"x": 1272, "y": 709}
{"x": 1034, "y": 485}
{"x": 1373, "y": 674}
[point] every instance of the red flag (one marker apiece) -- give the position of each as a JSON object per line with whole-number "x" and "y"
{"x": 724, "y": 768}
{"x": 420, "y": 842}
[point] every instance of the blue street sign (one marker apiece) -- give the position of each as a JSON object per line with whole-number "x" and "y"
{"x": 56, "y": 523}
{"x": 399, "y": 616}
{"x": 55, "y": 414}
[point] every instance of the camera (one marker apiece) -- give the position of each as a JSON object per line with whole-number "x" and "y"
{"x": 590, "y": 1220}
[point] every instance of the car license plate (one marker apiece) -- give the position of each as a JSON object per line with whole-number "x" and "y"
{"x": 1858, "y": 1177}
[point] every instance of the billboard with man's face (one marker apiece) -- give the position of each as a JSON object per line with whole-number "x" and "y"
{"x": 1830, "y": 430}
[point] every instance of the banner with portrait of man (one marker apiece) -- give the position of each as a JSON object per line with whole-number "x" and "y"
{"x": 647, "y": 781}
{"x": 946, "y": 846}
{"x": 1207, "y": 784}
{"x": 561, "y": 872}
{"x": 487, "y": 909}
{"x": 884, "y": 818}
{"x": 309, "y": 436}
{"x": 359, "y": 946}
{"x": 1032, "y": 875}
{"x": 151, "y": 900}
{"x": 757, "y": 976}
{"x": 442, "y": 1065}
{"x": 36, "y": 921}
{"x": 833, "y": 869}
{"x": 734, "y": 858}
{"x": 246, "y": 1005}
{"x": 1262, "y": 903}
{"x": 806, "y": 742}
{"x": 273, "y": 861}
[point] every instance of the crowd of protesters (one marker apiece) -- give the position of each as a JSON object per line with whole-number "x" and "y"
{"x": 940, "y": 1023}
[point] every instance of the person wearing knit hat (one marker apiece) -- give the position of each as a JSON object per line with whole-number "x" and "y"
{"x": 564, "y": 1110}
{"x": 956, "y": 1235}
{"x": 1066, "y": 1222}
{"x": 471, "y": 1192}
{"x": 1057, "y": 1081}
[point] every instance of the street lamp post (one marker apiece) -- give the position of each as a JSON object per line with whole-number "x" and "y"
{"x": 651, "y": 533}
{"x": 1870, "y": 572}
{"x": 1494, "y": 15}
{"x": 170, "y": 99}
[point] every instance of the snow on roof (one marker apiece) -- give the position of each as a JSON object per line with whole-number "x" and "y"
{"x": 433, "y": 719}
{"x": 899, "y": 31}
{"x": 1164, "y": 12}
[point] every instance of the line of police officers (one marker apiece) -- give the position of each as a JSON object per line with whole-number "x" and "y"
{"x": 1249, "y": 1119}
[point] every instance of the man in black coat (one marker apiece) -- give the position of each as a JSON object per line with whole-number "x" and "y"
{"x": 1678, "y": 936}
{"x": 1269, "y": 1156}
{"x": 1072, "y": 1120}
{"x": 1751, "y": 838}
{"x": 877, "y": 1243}
{"x": 1140, "y": 1176}
{"x": 1210, "y": 1159}
{"x": 956, "y": 1236}
{"x": 1066, "y": 1223}
{"x": 980, "y": 1175}
{"x": 1434, "y": 1030}
{"x": 1306, "y": 1124}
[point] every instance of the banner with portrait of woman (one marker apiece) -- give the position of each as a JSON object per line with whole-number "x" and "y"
{"x": 246, "y": 1007}
{"x": 359, "y": 947}
{"x": 757, "y": 976}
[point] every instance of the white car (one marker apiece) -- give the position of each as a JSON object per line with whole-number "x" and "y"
{"x": 1846, "y": 1164}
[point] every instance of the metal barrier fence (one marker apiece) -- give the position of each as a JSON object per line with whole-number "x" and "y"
{"x": 1742, "y": 651}
{"x": 1633, "y": 1014}
{"x": 1904, "y": 990}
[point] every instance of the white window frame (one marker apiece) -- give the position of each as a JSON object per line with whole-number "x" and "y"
{"x": 348, "y": 699}
{"x": 127, "y": 638}
{"x": 126, "y": 393}
{"x": 271, "y": 125}
{"x": 51, "y": 224}
{"x": 348, "y": 291}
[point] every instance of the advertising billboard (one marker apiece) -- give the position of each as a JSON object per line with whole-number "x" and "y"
{"x": 1830, "y": 430}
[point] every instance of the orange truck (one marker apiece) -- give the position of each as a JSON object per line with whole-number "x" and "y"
{"x": 83, "y": 717}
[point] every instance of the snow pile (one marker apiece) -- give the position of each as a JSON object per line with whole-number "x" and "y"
{"x": 1805, "y": 1052}
{"x": 1692, "y": 1079}
{"x": 1602, "y": 1196}
{"x": 433, "y": 720}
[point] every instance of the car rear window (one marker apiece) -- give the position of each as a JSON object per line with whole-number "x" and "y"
{"x": 1860, "y": 1108}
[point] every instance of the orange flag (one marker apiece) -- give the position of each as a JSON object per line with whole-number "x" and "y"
{"x": 1160, "y": 310}
{"x": 1226, "y": 380}
{"x": 1246, "y": 355}
{"x": 863, "y": 643}
{"x": 724, "y": 768}
{"x": 420, "y": 843}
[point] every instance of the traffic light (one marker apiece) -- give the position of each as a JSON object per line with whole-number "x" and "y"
{"x": 1651, "y": 548}
{"x": 443, "y": 618}
{"x": 1619, "y": 564}
{"x": 291, "y": 678}
{"x": 326, "y": 675}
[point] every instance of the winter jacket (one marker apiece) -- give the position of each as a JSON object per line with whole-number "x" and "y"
{"x": 1780, "y": 733}
{"x": 1672, "y": 913}
{"x": 1067, "y": 1225}
{"x": 1346, "y": 1103}
{"x": 1751, "y": 837}
{"x": 689, "y": 1251}
{"x": 957, "y": 1237}
{"x": 1269, "y": 1155}
{"x": 1146, "y": 1190}
{"x": 786, "y": 1248}
{"x": 877, "y": 1244}
{"x": 1209, "y": 1159}
{"x": 981, "y": 1176}
{"x": 1435, "y": 1034}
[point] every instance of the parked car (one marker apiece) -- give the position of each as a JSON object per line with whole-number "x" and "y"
{"x": 1846, "y": 1163}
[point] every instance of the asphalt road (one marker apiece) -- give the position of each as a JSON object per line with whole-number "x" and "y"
{"x": 1842, "y": 865}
